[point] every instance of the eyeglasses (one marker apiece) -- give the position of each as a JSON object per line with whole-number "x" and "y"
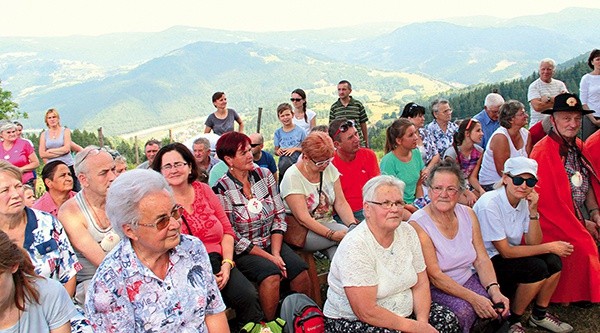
{"x": 176, "y": 165}
{"x": 437, "y": 190}
{"x": 254, "y": 145}
{"x": 446, "y": 111}
{"x": 92, "y": 152}
{"x": 518, "y": 181}
{"x": 322, "y": 163}
{"x": 344, "y": 127}
{"x": 295, "y": 99}
{"x": 163, "y": 221}
{"x": 388, "y": 204}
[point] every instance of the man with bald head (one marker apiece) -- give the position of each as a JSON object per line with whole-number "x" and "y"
{"x": 488, "y": 117}
{"x": 262, "y": 158}
{"x": 83, "y": 216}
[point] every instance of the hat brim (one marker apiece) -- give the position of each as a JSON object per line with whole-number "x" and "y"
{"x": 551, "y": 111}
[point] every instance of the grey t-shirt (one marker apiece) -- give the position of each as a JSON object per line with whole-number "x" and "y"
{"x": 54, "y": 310}
{"x": 220, "y": 126}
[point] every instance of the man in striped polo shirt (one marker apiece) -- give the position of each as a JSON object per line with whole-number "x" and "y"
{"x": 349, "y": 108}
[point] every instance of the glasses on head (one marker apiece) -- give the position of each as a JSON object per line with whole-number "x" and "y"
{"x": 163, "y": 221}
{"x": 295, "y": 99}
{"x": 254, "y": 145}
{"x": 322, "y": 163}
{"x": 471, "y": 121}
{"x": 93, "y": 152}
{"x": 437, "y": 190}
{"x": 388, "y": 204}
{"x": 518, "y": 181}
{"x": 344, "y": 127}
{"x": 176, "y": 165}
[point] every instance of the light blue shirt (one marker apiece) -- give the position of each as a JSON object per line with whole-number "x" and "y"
{"x": 487, "y": 125}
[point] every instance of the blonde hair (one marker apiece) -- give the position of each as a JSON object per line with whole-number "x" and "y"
{"x": 12, "y": 170}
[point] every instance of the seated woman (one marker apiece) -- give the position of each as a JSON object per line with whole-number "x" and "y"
{"x": 30, "y": 303}
{"x": 58, "y": 181}
{"x": 255, "y": 209}
{"x": 465, "y": 151}
{"x": 416, "y": 114}
{"x": 28, "y": 195}
{"x": 525, "y": 271}
{"x": 311, "y": 191}
{"x": 42, "y": 236}
{"x": 511, "y": 139}
{"x": 203, "y": 217}
{"x": 223, "y": 119}
{"x": 155, "y": 278}
{"x": 377, "y": 281}
{"x": 18, "y": 152}
{"x": 452, "y": 246}
{"x": 403, "y": 160}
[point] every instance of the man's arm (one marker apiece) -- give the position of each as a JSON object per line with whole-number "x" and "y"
{"x": 75, "y": 225}
{"x": 363, "y": 128}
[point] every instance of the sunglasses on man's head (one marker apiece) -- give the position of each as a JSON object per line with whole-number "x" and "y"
{"x": 344, "y": 127}
{"x": 518, "y": 181}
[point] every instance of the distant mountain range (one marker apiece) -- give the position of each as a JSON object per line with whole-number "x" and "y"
{"x": 131, "y": 81}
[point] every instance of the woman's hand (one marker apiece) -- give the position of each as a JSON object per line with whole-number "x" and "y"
{"x": 497, "y": 297}
{"x": 425, "y": 327}
{"x": 483, "y": 307}
{"x": 223, "y": 276}
{"x": 532, "y": 199}
{"x": 471, "y": 198}
{"x": 560, "y": 248}
{"x": 277, "y": 260}
{"x": 338, "y": 235}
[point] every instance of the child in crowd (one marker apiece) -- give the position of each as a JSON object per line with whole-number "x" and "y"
{"x": 465, "y": 150}
{"x": 28, "y": 195}
{"x": 287, "y": 139}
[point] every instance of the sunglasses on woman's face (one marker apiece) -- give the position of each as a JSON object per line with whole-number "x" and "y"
{"x": 344, "y": 127}
{"x": 518, "y": 181}
{"x": 295, "y": 99}
{"x": 163, "y": 221}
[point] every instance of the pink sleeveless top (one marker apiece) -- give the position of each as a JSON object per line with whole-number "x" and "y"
{"x": 455, "y": 256}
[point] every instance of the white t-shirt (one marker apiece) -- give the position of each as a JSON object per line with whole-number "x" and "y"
{"x": 305, "y": 125}
{"x": 499, "y": 220}
{"x": 54, "y": 310}
{"x": 361, "y": 261}
{"x": 539, "y": 88}
{"x": 294, "y": 182}
{"x": 589, "y": 90}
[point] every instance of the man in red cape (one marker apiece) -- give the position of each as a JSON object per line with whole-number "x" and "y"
{"x": 564, "y": 187}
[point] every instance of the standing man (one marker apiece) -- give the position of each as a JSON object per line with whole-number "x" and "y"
{"x": 83, "y": 215}
{"x": 356, "y": 165}
{"x": 565, "y": 194}
{"x": 150, "y": 149}
{"x": 201, "y": 150}
{"x": 541, "y": 95}
{"x": 262, "y": 158}
{"x": 488, "y": 117}
{"x": 349, "y": 108}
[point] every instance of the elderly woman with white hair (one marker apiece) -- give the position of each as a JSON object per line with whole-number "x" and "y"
{"x": 18, "y": 152}
{"x": 377, "y": 280}
{"x": 155, "y": 279}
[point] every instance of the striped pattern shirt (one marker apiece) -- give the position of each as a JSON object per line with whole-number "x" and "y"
{"x": 353, "y": 111}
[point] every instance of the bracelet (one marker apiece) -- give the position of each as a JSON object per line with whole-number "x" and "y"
{"x": 487, "y": 289}
{"x": 329, "y": 234}
{"x": 534, "y": 217}
{"x": 228, "y": 261}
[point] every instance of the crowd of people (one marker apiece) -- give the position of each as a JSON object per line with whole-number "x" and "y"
{"x": 460, "y": 221}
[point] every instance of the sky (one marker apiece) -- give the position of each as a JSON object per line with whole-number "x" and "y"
{"x": 87, "y": 17}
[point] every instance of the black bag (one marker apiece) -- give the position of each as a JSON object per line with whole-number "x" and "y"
{"x": 490, "y": 325}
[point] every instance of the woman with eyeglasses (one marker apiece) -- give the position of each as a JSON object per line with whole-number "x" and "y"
{"x": 511, "y": 139}
{"x": 303, "y": 117}
{"x": 155, "y": 279}
{"x": 42, "y": 237}
{"x": 255, "y": 209}
{"x": 526, "y": 271}
{"x": 403, "y": 161}
{"x": 311, "y": 190}
{"x": 56, "y": 144}
{"x": 377, "y": 280}
{"x": 452, "y": 246}
{"x": 416, "y": 114}
{"x": 223, "y": 119}
{"x": 204, "y": 217}
{"x": 18, "y": 152}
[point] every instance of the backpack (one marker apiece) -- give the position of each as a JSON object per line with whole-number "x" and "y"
{"x": 302, "y": 315}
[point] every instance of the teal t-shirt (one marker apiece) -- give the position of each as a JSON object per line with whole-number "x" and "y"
{"x": 408, "y": 172}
